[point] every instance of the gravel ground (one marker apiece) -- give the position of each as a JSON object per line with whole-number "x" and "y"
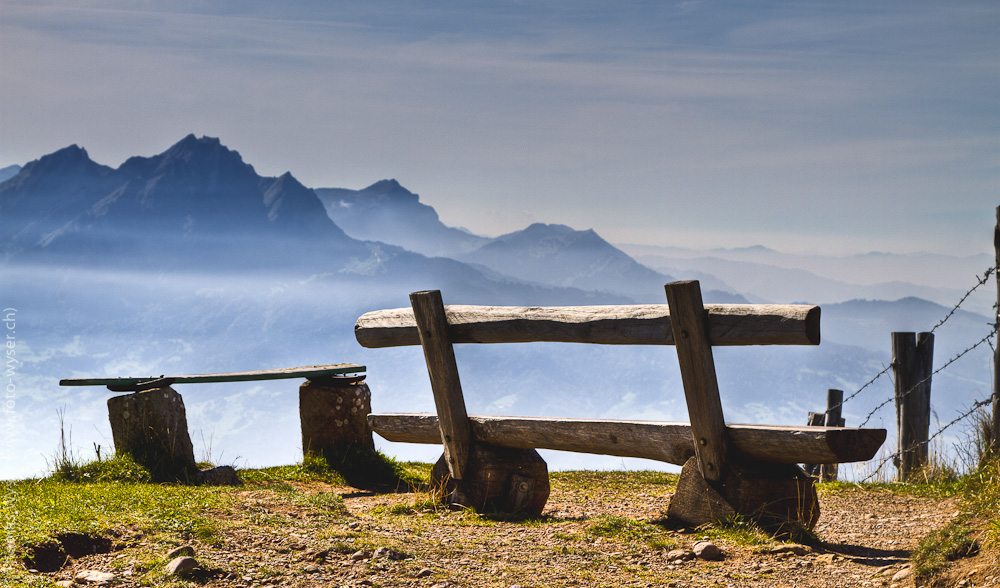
{"x": 591, "y": 534}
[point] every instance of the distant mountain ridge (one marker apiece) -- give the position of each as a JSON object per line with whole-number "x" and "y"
{"x": 199, "y": 207}
{"x": 183, "y": 202}
{"x": 9, "y": 172}
{"x": 386, "y": 208}
{"x": 548, "y": 254}
{"x": 189, "y": 261}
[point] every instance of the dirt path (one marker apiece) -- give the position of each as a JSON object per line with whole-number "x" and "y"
{"x": 600, "y": 534}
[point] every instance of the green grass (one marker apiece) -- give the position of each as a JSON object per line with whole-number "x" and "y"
{"x": 952, "y": 542}
{"x": 120, "y": 468}
{"x": 977, "y": 526}
{"x": 982, "y": 501}
{"x": 39, "y": 510}
{"x": 631, "y": 531}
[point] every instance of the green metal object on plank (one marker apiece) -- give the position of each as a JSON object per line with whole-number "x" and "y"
{"x": 344, "y": 372}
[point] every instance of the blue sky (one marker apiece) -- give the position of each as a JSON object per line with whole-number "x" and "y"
{"x": 836, "y": 127}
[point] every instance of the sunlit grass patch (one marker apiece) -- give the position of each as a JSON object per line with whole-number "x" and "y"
{"x": 631, "y": 531}
{"x": 38, "y": 510}
{"x": 952, "y": 542}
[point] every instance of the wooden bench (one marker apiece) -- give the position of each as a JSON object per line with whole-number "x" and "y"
{"x": 490, "y": 462}
{"x": 150, "y": 423}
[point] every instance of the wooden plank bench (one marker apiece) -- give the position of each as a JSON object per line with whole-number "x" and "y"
{"x": 490, "y": 462}
{"x": 346, "y": 372}
{"x": 150, "y": 422}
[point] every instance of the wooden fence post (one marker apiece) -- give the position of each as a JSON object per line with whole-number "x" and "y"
{"x": 834, "y": 404}
{"x": 830, "y": 418}
{"x": 912, "y": 365}
{"x": 994, "y": 448}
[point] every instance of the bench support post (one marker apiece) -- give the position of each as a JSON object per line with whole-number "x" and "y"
{"x": 701, "y": 388}
{"x": 471, "y": 474}
{"x": 432, "y": 325}
{"x": 151, "y": 426}
{"x": 497, "y": 479}
{"x": 334, "y": 420}
{"x": 780, "y": 498}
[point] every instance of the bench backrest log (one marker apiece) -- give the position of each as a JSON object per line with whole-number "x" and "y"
{"x": 637, "y": 324}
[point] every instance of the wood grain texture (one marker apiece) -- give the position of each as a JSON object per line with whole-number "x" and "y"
{"x": 312, "y": 371}
{"x": 995, "y": 421}
{"x": 428, "y": 310}
{"x": 701, "y": 388}
{"x": 661, "y": 441}
{"x": 639, "y": 324}
{"x": 912, "y": 366}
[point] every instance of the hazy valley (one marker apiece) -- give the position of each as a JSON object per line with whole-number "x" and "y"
{"x": 190, "y": 262}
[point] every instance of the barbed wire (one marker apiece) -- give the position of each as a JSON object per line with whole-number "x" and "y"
{"x": 928, "y": 378}
{"x": 868, "y": 383}
{"x": 898, "y": 454}
{"x": 981, "y": 281}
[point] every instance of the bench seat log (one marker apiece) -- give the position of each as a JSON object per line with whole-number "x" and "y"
{"x": 337, "y": 371}
{"x": 637, "y": 324}
{"x": 660, "y": 441}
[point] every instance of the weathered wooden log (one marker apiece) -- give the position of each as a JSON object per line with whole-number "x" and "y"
{"x": 778, "y": 497}
{"x": 338, "y": 371}
{"x": 334, "y": 419}
{"x": 814, "y": 419}
{"x": 701, "y": 388}
{"x": 639, "y": 324}
{"x": 497, "y": 479}
{"x": 912, "y": 366}
{"x": 429, "y": 313}
{"x": 151, "y": 426}
{"x": 660, "y": 441}
{"x": 832, "y": 418}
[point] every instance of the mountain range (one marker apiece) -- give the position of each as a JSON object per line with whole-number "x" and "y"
{"x": 189, "y": 261}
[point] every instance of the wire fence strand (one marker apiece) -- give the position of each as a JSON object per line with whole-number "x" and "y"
{"x": 927, "y": 379}
{"x": 893, "y": 457}
{"x": 981, "y": 281}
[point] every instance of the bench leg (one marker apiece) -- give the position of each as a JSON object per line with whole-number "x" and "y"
{"x": 151, "y": 426}
{"x": 335, "y": 420}
{"x": 780, "y": 498}
{"x": 496, "y": 479}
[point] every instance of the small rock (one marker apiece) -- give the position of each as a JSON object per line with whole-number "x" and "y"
{"x": 65, "y": 583}
{"x": 707, "y": 550}
{"x": 359, "y": 555}
{"x": 184, "y": 550}
{"x": 681, "y": 554}
{"x": 902, "y": 574}
{"x": 386, "y": 553}
{"x": 182, "y": 566}
{"x": 94, "y": 577}
{"x": 311, "y": 569}
{"x": 826, "y": 559}
{"x": 220, "y": 476}
{"x": 353, "y": 525}
{"x": 424, "y": 573}
{"x": 794, "y": 548}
